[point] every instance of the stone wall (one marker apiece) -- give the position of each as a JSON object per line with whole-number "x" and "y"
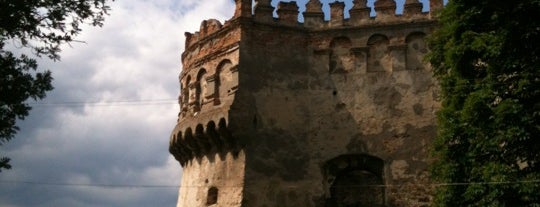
{"x": 317, "y": 114}
{"x": 224, "y": 173}
{"x": 322, "y": 95}
{"x": 212, "y": 160}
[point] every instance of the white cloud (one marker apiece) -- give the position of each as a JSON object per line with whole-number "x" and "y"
{"x": 135, "y": 56}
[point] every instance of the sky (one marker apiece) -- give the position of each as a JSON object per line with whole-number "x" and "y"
{"x": 101, "y": 137}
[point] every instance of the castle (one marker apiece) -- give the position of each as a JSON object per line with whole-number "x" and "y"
{"x": 336, "y": 113}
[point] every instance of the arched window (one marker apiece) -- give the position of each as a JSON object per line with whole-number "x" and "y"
{"x": 185, "y": 94}
{"x": 341, "y": 59}
{"x": 416, "y": 50}
{"x": 223, "y": 79}
{"x": 379, "y": 55}
{"x": 212, "y": 196}
{"x": 355, "y": 180}
{"x": 200, "y": 89}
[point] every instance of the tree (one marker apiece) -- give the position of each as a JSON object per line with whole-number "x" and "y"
{"x": 42, "y": 26}
{"x": 486, "y": 57}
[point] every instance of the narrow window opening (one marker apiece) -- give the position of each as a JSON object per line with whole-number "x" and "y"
{"x": 200, "y": 89}
{"x": 212, "y": 196}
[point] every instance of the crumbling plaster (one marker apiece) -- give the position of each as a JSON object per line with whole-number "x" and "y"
{"x": 295, "y": 96}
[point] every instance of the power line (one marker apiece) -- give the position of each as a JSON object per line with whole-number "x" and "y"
{"x": 105, "y": 103}
{"x": 286, "y": 186}
{"x": 173, "y": 101}
{"x": 86, "y": 185}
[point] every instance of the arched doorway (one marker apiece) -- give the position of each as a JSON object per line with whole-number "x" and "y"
{"x": 355, "y": 181}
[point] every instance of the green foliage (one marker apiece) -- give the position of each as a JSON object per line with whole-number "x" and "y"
{"x": 486, "y": 57}
{"x": 44, "y": 25}
{"x": 41, "y": 26}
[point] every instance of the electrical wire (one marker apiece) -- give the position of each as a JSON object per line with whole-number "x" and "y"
{"x": 86, "y": 185}
{"x": 172, "y": 101}
{"x": 286, "y": 186}
{"x": 105, "y": 103}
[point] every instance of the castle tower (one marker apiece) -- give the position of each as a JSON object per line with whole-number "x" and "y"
{"x": 317, "y": 114}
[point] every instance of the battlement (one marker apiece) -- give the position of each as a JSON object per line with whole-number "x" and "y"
{"x": 313, "y": 17}
{"x": 209, "y": 78}
{"x": 315, "y": 99}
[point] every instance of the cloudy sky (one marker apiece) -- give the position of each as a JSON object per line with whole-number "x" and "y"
{"x": 101, "y": 137}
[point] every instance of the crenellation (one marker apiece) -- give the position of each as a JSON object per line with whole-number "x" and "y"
{"x": 221, "y": 42}
{"x": 191, "y": 38}
{"x": 314, "y": 6}
{"x": 386, "y": 10}
{"x": 288, "y": 13}
{"x": 435, "y": 5}
{"x": 263, "y": 11}
{"x": 263, "y": 3}
{"x": 208, "y": 27}
{"x": 188, "y": 36}
{"x": 243, "y": 8}
{"x": 359, "y": 4}
{"x": 267, "y": 103}
{"x": 384, "y": 4}
{"x": 360, "y": 13}
{"x": 314, "y": 15}
{"x": 412, "y": 7}
{"x": 205, "y": 56}
{"x": 337, "y": 16}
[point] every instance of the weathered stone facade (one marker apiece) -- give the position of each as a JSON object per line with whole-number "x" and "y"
{"x": 317, "y": 114}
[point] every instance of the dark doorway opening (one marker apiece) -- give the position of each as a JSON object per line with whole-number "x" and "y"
{"x": 355, "y": 181}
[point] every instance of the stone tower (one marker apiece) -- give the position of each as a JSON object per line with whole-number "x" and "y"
{"x": 324, "y": 113}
